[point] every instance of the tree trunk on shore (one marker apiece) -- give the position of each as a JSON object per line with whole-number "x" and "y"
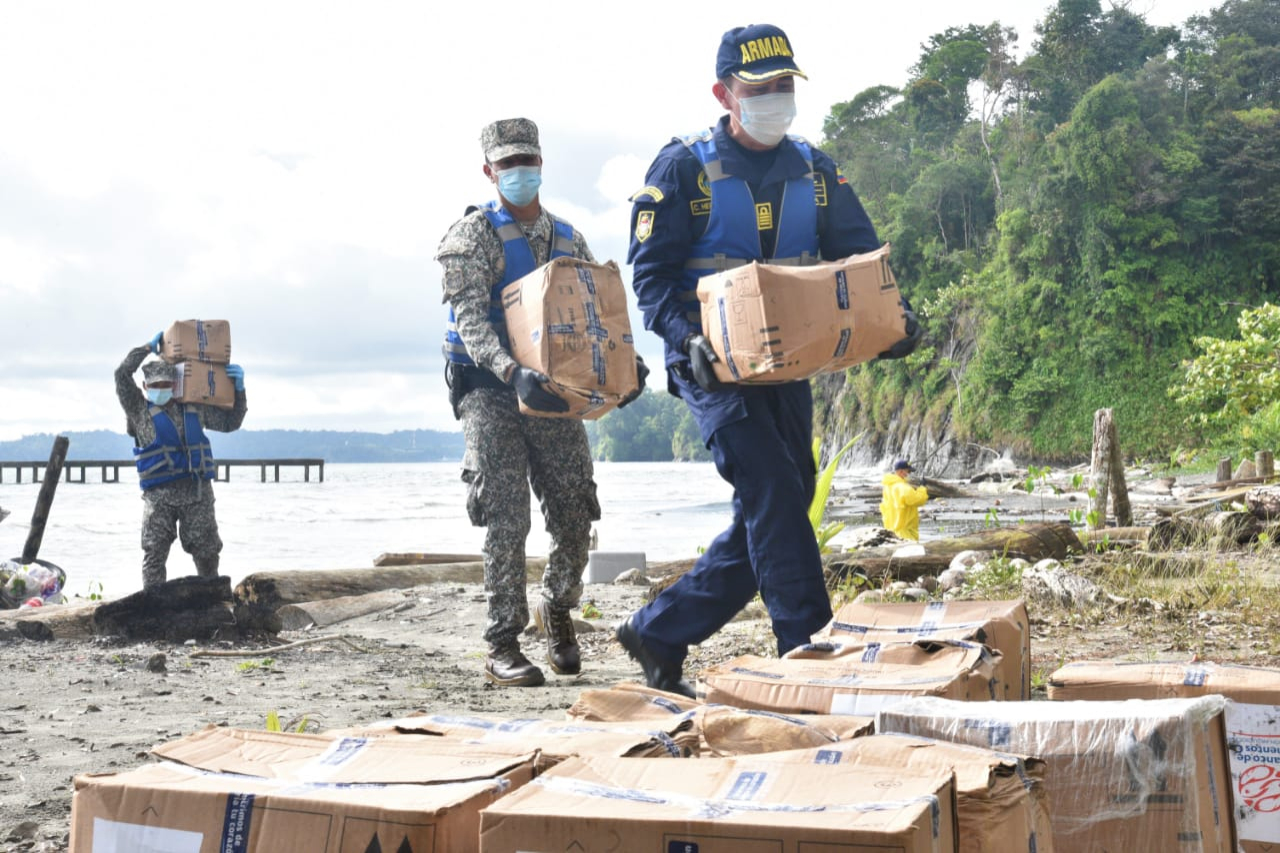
{"x": 1225, "y": 528}
{"x": 51, "y": 622}
{"x": 1029, "y": 541}
{"x": 330, "y": 611}
{"x": 1264, "y": 502}
{"x": 1100, "y": 469}
{"x": 276, "y": 589}
{"x": 186, "y": 608}
{"x": 420, "y": 559}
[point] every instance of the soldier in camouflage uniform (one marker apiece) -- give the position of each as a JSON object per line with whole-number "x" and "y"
{"x": 489, "y": 247}
{"x": 175, "y": 464}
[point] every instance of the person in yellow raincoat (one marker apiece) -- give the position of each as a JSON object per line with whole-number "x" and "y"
{"x": 902, "y": 496}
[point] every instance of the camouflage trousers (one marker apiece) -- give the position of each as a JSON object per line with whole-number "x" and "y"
{"x": 508, "y": 452}
{"x": 194, "y": 523}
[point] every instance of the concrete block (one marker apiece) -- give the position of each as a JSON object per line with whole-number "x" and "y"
{"x": 605, "y": 566}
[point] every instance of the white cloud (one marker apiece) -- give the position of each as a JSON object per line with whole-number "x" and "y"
{"x": 291, "y": 167}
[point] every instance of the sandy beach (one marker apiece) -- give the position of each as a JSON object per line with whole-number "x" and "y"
{"x": 79, "y": 707}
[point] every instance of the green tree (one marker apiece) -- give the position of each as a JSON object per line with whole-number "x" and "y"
{"x": 1233, "y": 379}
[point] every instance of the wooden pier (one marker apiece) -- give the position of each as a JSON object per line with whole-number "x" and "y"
{"x": 76, "y": 470}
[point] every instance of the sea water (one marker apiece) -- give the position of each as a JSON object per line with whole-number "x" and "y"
{"x": 665, "y": 510}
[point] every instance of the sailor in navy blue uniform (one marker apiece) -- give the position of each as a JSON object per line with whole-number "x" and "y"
{"x": 741, "y": 191}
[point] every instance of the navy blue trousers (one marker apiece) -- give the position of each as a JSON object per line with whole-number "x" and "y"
{"x": 761, "y": 439}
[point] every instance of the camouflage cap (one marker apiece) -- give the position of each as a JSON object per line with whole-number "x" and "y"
{"x": 158, "y": 371}
{"x": 508, "y": 137}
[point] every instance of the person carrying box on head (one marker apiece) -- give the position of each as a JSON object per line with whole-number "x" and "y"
{"x": 175, "y": 462}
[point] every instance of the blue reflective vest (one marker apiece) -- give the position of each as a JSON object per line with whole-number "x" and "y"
{"x": 168, "y": 457}
{"x": 732, "y": 236}
{"x": 519, "y": 263}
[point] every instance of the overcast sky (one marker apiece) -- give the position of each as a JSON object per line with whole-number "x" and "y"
{"x": 291, "y": 167}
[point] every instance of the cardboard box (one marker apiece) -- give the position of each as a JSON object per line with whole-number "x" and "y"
{"x": 1001, "y": 801}
{"x": 675, "y": 737}
{"x": 728, "y": 731}
{"x": 782, "y": 323}
{"x": 197, "y": 340}
{"x": 832, "y": 678}
{"x": 205, "y": 383}
{"x": 723, "y": 805}
{"x": 723, "y": 730}
{"x": 1001, "y": 625}
{"x": 627, "y": 701}
{"x": 1133, "y": 776}
{"x": 1252, "y": 721}
{"x": 569, "y": 319}
{"x": 263, "y": 792}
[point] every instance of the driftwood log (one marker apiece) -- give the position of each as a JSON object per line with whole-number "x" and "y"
{"x": 1028, "y": 541}
{"x": 51, "y": 622}
{"x": 186, "y": 608}
{"x": 1264, "y": 502}
{"x": 273, "y": 590}
{"x": 1209, "y": 490}
{"x": 330, "y": 611}
{"x": 1224, "y": 528}
{"x": 1117, "y": 538}
{"x": 939, "y": 489}
{"x": 419, "y": 559}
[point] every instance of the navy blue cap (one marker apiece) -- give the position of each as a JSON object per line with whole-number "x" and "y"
{"x": 902, "y": 464}
{"x": 756, "y": 53}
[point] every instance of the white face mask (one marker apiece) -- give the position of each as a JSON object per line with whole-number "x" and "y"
{"x": 766, "y": 118}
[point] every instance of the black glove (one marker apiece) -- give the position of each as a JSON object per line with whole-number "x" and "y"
{"x": 642, "y": 370}
{"x": 528, "y": 385}
{"x": 907, "y": 345}
{"x": 701, "y": 357}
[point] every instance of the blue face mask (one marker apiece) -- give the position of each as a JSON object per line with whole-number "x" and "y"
{"x": 519, "y": 184}
{"x": 159, "y": 396}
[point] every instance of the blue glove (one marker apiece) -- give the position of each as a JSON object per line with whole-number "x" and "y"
{"x": 236, "y": 374}
{"x": 157, "y": 343}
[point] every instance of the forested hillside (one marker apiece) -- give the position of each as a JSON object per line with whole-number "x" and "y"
{"x": 1066, "y": 224}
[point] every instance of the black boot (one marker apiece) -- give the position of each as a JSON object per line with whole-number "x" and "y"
{"x": 562, "y": 643}
{"x": 508, "y": 667}
{"x": 658, "y": 674}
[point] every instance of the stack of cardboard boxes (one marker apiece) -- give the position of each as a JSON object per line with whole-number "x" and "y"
{"x": 201, "y": 351}
{"x": 930, "y": 702}
{"x": 1136, "y": 760}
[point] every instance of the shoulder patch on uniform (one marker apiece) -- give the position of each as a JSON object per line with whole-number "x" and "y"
{"x": 644, "y": 225}
{"x": 700, "y": 207}
{"x": 649, "y": 193}
{"x": 703, "y": 183}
